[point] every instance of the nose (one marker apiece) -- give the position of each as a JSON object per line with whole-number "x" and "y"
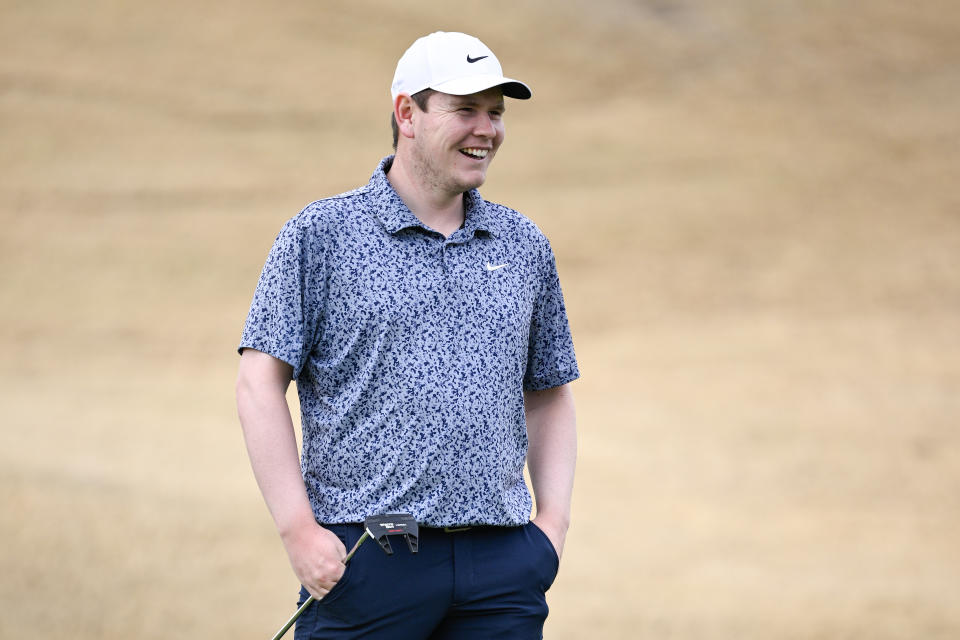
{"x": 483, "y": 126}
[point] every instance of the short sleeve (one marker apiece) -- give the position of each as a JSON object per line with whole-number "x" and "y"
{"x": 551, "y": 361}
{"x": 287, "y": 303}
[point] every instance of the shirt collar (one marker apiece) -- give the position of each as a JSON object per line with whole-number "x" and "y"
{"x": 395, "y": 215}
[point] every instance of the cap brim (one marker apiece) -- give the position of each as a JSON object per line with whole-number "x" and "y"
{"x": 475, "y": 84}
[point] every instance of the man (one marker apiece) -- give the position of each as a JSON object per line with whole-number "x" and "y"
{"x": 426, "y": 330}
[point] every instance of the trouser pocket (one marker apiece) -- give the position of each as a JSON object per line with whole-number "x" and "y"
{"x": 549, "y": 561}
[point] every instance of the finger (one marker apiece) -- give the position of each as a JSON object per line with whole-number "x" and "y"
{"x": 317, "y": 593}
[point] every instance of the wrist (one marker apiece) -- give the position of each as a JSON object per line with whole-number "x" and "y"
{"x": 558, "y": 521}
{"x": 291, "y": 529}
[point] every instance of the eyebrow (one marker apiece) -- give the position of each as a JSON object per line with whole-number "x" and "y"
{"x": 468, "y": 102}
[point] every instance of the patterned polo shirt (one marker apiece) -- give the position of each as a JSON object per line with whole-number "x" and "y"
{"x": 411, "y": 352}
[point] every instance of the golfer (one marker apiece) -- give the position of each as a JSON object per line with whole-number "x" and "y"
{"x": 426, "y": 330}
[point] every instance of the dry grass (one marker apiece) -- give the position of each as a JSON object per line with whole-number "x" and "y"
{"x": 758, "y": 228}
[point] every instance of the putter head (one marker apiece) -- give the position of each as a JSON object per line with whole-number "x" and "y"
{"x": 393, "y": 524}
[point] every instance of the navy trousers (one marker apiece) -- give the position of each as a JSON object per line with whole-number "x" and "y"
{"x": 482, "y": 583}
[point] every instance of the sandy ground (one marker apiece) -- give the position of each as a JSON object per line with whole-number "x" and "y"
{"x": 756, "y": 214}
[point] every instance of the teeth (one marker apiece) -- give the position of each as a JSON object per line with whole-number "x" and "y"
{"x": 476, "y": 153}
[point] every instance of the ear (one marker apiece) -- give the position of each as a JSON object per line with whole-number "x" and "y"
{"x": 403, "y": 110}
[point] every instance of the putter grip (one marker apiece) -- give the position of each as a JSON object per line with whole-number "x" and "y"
{"x": 310, "y": 600}
{"x": 293, "y": 618}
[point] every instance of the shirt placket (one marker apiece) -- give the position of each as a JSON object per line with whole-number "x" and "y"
{"x": 452, "y": 254}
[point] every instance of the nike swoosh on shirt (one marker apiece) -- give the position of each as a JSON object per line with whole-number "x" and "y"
{"x": 492, "y": 267}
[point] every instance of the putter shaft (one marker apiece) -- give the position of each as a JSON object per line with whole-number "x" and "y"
{"x": 310, "y": 600}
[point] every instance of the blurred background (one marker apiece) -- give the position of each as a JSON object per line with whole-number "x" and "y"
{"x": 756, "y": 213}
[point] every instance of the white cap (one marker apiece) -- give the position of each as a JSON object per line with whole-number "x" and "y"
{"x": 453, "y": 63}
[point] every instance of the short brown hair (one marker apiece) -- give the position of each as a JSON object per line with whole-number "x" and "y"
{"x": 421, "y": 98}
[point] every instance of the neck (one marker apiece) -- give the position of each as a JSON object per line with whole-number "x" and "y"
{"x": 437, "y": 209}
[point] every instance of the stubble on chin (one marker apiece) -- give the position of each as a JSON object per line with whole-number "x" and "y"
{"x": 440, "y": 178}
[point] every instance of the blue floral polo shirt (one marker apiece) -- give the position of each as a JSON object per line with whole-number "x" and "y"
{"x": 411, "y": 353}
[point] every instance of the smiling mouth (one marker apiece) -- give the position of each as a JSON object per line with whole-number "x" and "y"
{"x": 473, "y": 152}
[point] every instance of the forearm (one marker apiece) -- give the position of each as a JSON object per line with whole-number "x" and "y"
{"x": 272, "y": 448}
{"x": 552, "y": 452}
{"x": 316, "y": 554}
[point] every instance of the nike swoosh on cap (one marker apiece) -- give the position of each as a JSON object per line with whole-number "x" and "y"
{"x": 477, "y": 59}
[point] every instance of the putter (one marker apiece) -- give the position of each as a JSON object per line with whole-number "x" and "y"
{"x": 380, "y": 528}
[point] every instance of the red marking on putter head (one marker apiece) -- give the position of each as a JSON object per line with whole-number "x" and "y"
{"x": 381, "y": 527}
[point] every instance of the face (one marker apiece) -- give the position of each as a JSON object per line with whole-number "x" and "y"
{"x": 456, "y": 138}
